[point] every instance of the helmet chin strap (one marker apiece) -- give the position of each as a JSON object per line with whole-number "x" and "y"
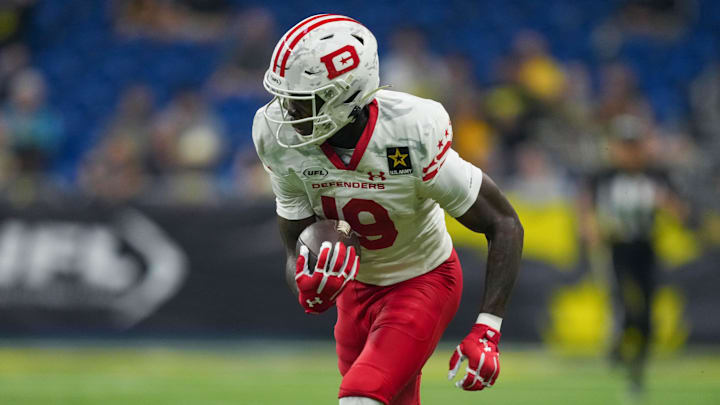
{"x": 369, "y": 96}
{"x": 363, "y": 101}
{"x": 354, "y": 113}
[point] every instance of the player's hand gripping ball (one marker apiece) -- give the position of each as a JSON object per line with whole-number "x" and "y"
{"x": 328, "y": 256}
{"x": 480, "y": 348}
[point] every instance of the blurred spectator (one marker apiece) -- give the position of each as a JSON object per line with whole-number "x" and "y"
{"x": 186, "y": 147}
{"x": 619, "y": 94}
{"x": 252, "y": 40}
{"x": 33, "y": 131}
{"x": 659, "y": 18}
{"x": 705, "y": 114}
{"x": 14, "y": 58}
{"x": 473, "y": 138}
{"x": 14, "y": 16}
{"x": 664, "y": 20}
{"x": 537, "y": 71}
{"x": 530, "y": 86}
{"x": 207, "y": 6}
{"x": 510, "y": 111}
{"x": 186, "y": 135}
{"x": 538, "y": 180}
{"x": 411, "y": 67}
{"x": 251, "y": 181}
{"x": 116, "y": 170}
{"x": 7, "y": 163}
{"x": 567, "y": 130}
{"x": 134, "y": 115}
{"x": 577, "y": 99}
{"x": 169, "y": 20}
{"x": 705, "y": 104}
{"x": 461, "y": 84}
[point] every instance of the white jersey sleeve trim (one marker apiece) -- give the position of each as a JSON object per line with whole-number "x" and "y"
{"x": 291, "y": 201}
{"x": 456, "y": 185}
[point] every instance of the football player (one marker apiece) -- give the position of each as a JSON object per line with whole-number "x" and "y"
{"x": 336, "y": 145}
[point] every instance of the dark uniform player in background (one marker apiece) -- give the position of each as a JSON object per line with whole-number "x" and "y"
{"x": 620, "y": 204}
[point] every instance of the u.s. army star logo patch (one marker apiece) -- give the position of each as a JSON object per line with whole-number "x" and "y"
{"x": 399, "y": 160}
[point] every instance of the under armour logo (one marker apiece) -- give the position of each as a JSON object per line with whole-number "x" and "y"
{"x": 316, "y": 300}
{"x": 380, "y": 175}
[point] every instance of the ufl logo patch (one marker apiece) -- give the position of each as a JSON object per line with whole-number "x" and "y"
{"x": 315, "y": 172}
{"x": 399, "y": 160}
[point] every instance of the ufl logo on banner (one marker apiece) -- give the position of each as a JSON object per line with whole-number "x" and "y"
{"x": 341, "y": 61}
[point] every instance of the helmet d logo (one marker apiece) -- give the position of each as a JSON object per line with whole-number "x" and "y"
{"x": 341, "y": 61}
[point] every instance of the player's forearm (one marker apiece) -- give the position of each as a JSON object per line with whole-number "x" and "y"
{"x": 290, "y": 231}
{"x": 290, "y": 272}
{"x": 493, "y": 215}
{"x": 503, "y": 264}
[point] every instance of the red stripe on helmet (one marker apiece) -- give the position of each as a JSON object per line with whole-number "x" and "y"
{"x": 291, "y": 32}
{"x": 305, "y": 32}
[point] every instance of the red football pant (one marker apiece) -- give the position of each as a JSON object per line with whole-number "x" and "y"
{"x": 384, "y": 335}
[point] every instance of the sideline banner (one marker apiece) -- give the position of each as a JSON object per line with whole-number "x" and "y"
{"x": 89, "y": 270}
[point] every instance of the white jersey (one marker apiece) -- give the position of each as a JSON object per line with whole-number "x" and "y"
{"x": 393, "y": 190}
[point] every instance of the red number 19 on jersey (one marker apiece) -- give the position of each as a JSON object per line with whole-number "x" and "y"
{"x": 380, "y": 234}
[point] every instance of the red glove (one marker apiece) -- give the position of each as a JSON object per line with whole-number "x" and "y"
{"x": 480, "y": 347}
{"x": 319, "y": 289}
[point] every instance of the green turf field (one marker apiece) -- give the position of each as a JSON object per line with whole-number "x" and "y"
{"x": 305, "y": 373}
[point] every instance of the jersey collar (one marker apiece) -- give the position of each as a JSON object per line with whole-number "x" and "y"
{"x": 361, "y": 145}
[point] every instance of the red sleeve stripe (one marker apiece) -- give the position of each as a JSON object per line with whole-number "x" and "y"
{"x": 302, "y": 34}
{"x": 438, "y": 157}
{"x": 290, "y": 33}
{"x": 442, "y": 153}
{"x": 433, "y": 173}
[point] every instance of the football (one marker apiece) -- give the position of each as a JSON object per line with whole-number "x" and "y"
{"x": 331, "y": 230}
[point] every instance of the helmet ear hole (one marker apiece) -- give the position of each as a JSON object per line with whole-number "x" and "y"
{"x": 359, "y": 38}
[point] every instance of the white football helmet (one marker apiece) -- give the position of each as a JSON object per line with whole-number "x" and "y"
{"x": 327, "y": 55}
